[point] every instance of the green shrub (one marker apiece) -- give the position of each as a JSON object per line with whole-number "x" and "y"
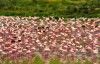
{"x": 71, "y": 9}
{"x": 83, "y": 10}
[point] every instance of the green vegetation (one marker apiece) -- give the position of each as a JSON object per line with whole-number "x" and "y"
{"x": 57, "y": 8}
{"x": 38, "y": 60}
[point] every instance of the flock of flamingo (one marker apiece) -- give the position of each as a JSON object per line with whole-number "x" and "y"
{"x": 25, "y": 37}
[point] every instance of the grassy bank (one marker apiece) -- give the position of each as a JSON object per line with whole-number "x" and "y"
{"x": 61, "y": 8}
